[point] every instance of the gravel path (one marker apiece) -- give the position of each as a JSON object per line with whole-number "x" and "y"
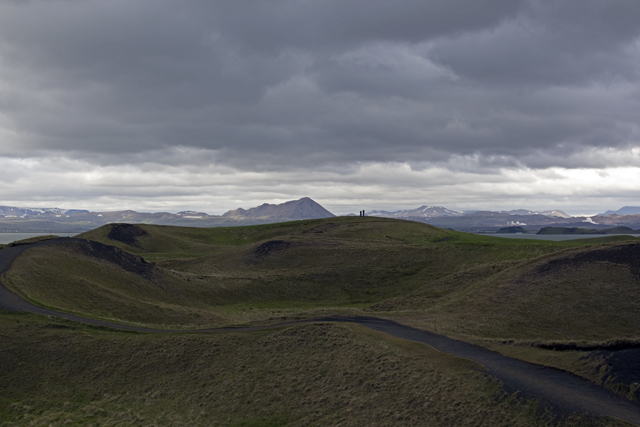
{"x": 565, "y": 392}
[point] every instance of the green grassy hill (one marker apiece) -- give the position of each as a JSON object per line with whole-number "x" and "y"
{"x": 588, "y": 294}
{"x": 506, "y": 294}
{"x": 205, "y": 277}
{"x": 474, "y": 285}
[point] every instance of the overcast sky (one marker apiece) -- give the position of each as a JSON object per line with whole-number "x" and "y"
{"x": 213, "y": 105}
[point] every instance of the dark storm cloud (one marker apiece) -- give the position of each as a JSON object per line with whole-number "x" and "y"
{"x": 551, "y": 43}
{"x": 287, "y": 84}
{"x": 335, "y": 24}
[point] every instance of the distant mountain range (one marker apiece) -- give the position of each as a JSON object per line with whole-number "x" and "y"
{"x": 14, "y": 219}
{"x": 554, "y": 213}
{"x": 75, "y": 220}
{"x": 304, "y": 208}
{"x": 421, "y": 212}
{"x": 627, "y": 210}
{"x": 492, "y": 221}
{"x": 439, "y": 211}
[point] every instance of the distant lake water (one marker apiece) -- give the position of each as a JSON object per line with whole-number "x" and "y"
{"x": 554, "y": 237}
{"x": 6, "y": 238}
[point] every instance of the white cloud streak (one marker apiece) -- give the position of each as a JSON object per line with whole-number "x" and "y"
{"x": 462, "y": 184}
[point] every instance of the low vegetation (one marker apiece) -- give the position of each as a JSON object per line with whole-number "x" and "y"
{"x": 520, "y": 297}
{"x": 463, "y": 284}
{"x": 471, "y": 285}
{"x": 213, "y": 277}
{"x": 589, "y": 294}
{"x": 62, "y": 373}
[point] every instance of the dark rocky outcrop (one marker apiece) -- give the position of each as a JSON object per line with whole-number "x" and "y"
{"x": 265, "y": 249}
{"x": 627, "y": 255}
{"x": 126, "y": 233}
{"x": 125, "y": 260}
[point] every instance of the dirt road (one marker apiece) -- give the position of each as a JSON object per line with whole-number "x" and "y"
{"x": 565, "y": 392}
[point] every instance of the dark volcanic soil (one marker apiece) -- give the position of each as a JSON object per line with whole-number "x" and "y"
{"x": 126, "y": 233}
{"x": 628, "y": 255}
{"x": 125, "y": 260}
{"x": 266, "y": 248}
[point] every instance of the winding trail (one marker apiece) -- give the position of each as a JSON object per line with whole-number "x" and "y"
{"x": 563, "y": 391}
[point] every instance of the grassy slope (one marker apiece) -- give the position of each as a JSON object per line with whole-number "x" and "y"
{"x": 471, "y": 285}
{"x": 478, "y": 288}
{"x": 550, "y": 298}
{"x": 61, "y": 373}
{"x": 69, "y": 280}
{"x": 213, "y": 276}
{"x": 481, "y": 288}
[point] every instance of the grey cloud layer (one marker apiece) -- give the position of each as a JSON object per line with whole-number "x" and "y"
{"x": 298, "y": 84}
